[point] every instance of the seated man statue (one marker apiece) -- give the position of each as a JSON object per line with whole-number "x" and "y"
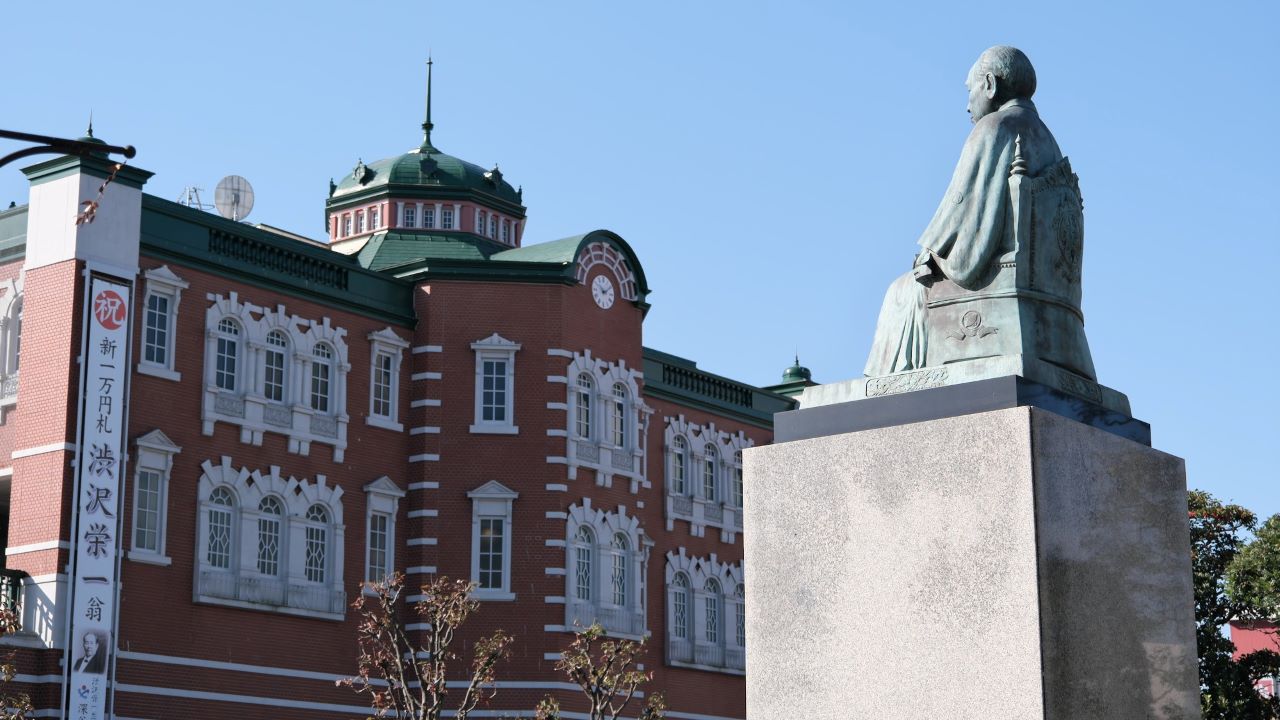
{"x": 998, "y": 275}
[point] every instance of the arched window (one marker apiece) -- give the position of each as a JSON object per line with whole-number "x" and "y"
{"x": 218, "y": 552}
{"x": 582, "y": 407}
{"x": 709, "y": 473}
{"x": 740, "y": 615}
{"x": 584, "y": 542}
{"x": 679, "y": 466}
{"x": 315, "y": 558}
{"x": 321, "y": 378}
{"x": 618, "y": 419}
{"x": 711, "y": 632}
{"x": 680, "y": 606}
{"x": 227, "y": 356}
{"x": 273, "y": 366}
{"x": 619, "y": 579}
{"x": 269, "y": 535}
{"x": 737, "y": 479}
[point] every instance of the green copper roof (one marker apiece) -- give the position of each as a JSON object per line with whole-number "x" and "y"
{"x": 429, "y": 169}
{"x": 13, "y": 233}
{"x": 389, "y": 248}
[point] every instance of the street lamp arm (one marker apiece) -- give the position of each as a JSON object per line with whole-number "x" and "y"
{"x": 62, "y": 146}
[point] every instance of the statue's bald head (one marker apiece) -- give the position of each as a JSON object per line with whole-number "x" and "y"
{"x": 1012, "y": 70}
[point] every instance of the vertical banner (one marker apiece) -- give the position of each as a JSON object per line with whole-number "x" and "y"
{"x": 96, "y": 521}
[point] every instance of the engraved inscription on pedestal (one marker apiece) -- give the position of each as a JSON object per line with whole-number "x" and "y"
{"x": 906, "y": 382}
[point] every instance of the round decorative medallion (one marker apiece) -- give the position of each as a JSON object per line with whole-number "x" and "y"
{"x": 602, "y": 291}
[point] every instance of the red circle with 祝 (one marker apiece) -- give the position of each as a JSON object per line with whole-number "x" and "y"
{"x": 109, "y": 309}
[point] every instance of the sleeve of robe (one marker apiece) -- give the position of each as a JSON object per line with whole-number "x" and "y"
{"x": 968, "y": 229}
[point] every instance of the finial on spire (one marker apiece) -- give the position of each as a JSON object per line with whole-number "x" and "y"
{"x": 90, "y": 130}
{"x": 427, "y": 124}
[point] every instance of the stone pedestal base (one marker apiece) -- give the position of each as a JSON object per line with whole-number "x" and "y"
{"x": 1005, "y": 564}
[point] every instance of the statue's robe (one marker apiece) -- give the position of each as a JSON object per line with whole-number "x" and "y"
{"x": 968, "y": 233}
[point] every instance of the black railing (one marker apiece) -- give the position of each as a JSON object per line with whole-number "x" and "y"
{"x": 11, "y": 591}
{"x": 703, "y": 384}
{"x": 277, "y": 259}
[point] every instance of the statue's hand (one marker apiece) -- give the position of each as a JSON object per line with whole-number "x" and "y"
{"x": 925, "y": 270}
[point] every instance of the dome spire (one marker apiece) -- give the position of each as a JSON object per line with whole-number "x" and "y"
{"x": 427, "y": 124}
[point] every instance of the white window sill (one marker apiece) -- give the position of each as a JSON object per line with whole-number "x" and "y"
{"x": 261, "y": 607}
{"x": 708, "y": 668}
{"x": 150, "y": 558}
{"x": 493, "y": 596}
{"x": 483, "y": 429}
{"x": 159, "y": 371}
{"x": 384, "y": 423}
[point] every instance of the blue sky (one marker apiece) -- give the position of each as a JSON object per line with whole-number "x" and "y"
{"x": 772, "y": 164}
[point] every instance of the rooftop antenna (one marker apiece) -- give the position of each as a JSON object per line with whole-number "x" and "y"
{"x": 190, "y": 197}
{"x": 233, "y": 197}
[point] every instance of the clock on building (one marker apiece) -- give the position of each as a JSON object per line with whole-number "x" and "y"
{"x": 602, "y": 291}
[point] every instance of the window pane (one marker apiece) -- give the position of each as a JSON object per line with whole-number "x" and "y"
{"x": 491, "y": 555}
{"x": 493, "y": 386}
{"x": 314, "y": 567}
{"x": 219, "y": 540}
{"x": 379, "y": 524}
{"x": 227, "y": 355}
{"x": 410, "y": 215}
{"x": 146, "y": 524}
{"x": 269, "y": 546}
{"x": 156, "y": 340}
{"x": 382, "y": 385}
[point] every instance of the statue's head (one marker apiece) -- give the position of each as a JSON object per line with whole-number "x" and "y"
{"x": 1001, "y": 74}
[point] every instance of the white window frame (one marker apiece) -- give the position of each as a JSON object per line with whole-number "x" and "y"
{"x": 11, "y": 337}
{"x": 242, "y": 585}
{"x": 446, "y": 219}
{"x": 490, "y": 501}
{"x": 409, "y": 215}
{"x": 246, "y": 406}
{"x": 429, "y": 218}
{"x": 382, "y": 497}
{"x": 495, "y": 348}
{"x": 375, "y": 215}
{"x": 387, "y": 343}
{"x": 600, "y": 451}
{"x": 690, "y": 503}
{"x": 630, "y": 620}
{"x": 346, "y": 225}
{"x": 163, "y": 283}
{"x": 155, "y": 455}
{"x": 359, "y": 222}
{"x": 277, "y": 344}
{"x": 723, "y": 653}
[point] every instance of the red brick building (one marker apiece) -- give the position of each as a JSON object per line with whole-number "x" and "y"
{"x": 424, "y": 392}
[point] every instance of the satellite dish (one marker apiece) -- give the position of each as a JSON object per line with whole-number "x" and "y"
{"x": 233, "y": 197}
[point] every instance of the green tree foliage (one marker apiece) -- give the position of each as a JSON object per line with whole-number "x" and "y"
{"x": 1237, "y": 578}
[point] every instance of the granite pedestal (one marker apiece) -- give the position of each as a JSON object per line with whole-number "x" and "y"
{"x": 1012, "y": 563}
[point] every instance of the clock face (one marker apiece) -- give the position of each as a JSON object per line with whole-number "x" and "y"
{"x": 602, "y": 291}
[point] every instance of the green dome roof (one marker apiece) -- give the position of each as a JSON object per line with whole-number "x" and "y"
{"x": 428, "y": 168}
{"x": 796, "y": 372}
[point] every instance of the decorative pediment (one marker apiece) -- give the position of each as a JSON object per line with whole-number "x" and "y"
{"x": 384, "y": 486}
{"x": 164, "y": 276}
{"x": 159, "y": 442}
{"x": 495, "y": 342}
{"x": 493, "y": 490}
{"x": 388, "y": 336}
